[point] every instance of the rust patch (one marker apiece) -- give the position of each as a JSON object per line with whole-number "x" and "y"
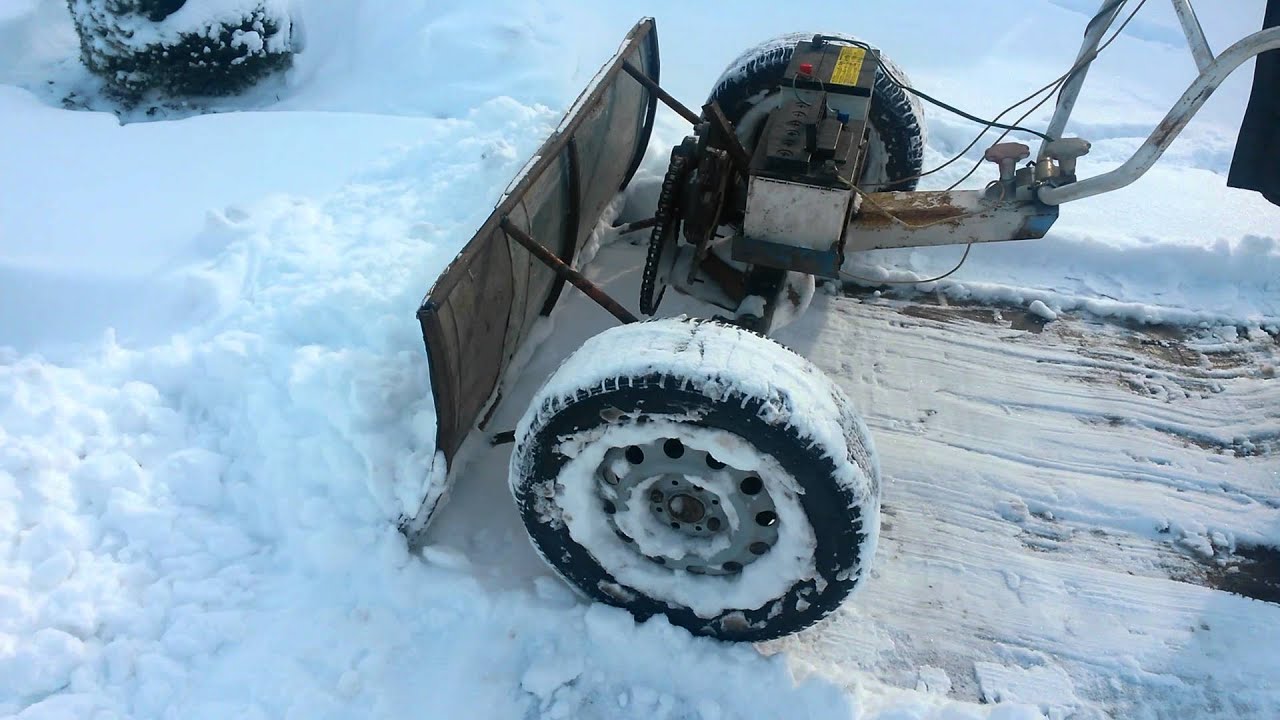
{"x": 917, "y": 208}
{"x": 950, "y": 314}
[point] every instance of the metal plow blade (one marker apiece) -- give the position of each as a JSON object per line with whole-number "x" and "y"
{"x": 480, "y": 311}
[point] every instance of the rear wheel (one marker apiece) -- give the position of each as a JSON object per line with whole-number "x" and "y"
{"x": 746, "y": 92}
{"x": 700, "y": 471}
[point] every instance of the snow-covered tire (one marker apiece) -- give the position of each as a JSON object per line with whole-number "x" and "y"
{"x": 697, "y": 470}
{"x": 181, "y": 48}
{"x": 896, "y": 152}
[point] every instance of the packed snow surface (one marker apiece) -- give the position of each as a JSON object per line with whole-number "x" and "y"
{"x": 214, "y": 405}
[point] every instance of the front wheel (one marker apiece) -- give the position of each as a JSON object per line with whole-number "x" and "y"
{"x": 700, "y": 471}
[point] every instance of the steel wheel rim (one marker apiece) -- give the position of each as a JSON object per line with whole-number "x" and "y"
{"x": 685, "y": 493}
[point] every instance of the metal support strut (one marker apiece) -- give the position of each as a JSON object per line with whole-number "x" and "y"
{"x": 663, "y": 95}
{"x": 577, "y": 279}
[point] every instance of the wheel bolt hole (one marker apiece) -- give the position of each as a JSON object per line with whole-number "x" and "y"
{"x": 675, "y": 482}
{"x": 634, "y": 455}
{"x": 759, "y": 548}
{"x": 714, "y": 464}
{"x": 768, "y": 518}
{"x": 655, "y": 496}
{"x": 698, "y": 528}
{"x": 751, "y": 485}
{"x": 713, "y": 524}
{"x": 673, "y": 448}
{"x": 732, "y": 566}
{"x": 675, "y": 525}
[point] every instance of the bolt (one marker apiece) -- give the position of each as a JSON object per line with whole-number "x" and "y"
{"x": 1007, "y": 155}
{"x": 1066, "y": 151}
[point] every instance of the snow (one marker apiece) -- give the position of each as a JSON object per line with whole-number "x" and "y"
{"x": 214, "y": 406}
{"x": 1039, "y": 309}
{"x": 789, "y": 562}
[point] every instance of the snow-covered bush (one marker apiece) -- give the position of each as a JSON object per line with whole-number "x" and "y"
{"x": 182, "y": 47}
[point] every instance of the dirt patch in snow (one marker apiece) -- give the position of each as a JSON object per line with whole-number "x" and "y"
{"x": 1252, "y": 571}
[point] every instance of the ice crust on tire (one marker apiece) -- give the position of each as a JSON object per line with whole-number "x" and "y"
{"x": 722, "y": 364}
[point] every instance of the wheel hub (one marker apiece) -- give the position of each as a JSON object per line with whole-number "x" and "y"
{"x": 706, "y": 517}
{"x": 686, "y": 508}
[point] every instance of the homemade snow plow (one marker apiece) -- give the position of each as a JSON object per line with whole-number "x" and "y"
{"x": 693, "y": 467}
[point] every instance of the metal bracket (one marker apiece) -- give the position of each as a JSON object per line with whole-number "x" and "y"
{"x": 662, "y": 95}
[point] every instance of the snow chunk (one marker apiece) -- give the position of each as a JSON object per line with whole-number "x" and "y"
{"x": 194, "y": 476}
{"x": 39, "y": 666}
{"x": 1037, "y": 307}
{"x": 1046, "y": 686}
{"x": 933, "y": 680}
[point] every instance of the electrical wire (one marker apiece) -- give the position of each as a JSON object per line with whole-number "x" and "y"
{"x": 895, "y": 80}
{"x": 1063, "y": 80}
{"x": 1052, "y": 86}
{"x": 1055, "y": 85}
{"x": 988, "y": 123}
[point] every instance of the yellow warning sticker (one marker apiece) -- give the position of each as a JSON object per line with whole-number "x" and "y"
{"x": 848, "y": 66}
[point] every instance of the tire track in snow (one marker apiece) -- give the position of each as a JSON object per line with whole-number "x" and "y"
{"x": 1028, "y": 534}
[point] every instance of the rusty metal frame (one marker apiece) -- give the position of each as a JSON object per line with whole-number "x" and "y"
{"x": 567, "y": 273}
{"x": 945, "y": 217}
{"x": 652, "y": 86}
